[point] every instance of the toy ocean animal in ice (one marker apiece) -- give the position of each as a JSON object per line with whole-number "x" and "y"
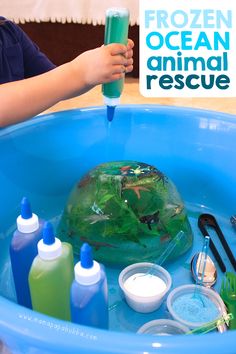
{"x": 128, "y": 211}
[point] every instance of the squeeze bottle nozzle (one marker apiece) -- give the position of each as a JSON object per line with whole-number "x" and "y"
{"x": 48, "y": 234}
{"x": 27, "y": 222}
{"x": 26, "y": 212}
{"x": 86, "y": 257}
{"x": 87, "y": 271}
{"x": 110, "y": 112}
{"x": 49, "y": 247}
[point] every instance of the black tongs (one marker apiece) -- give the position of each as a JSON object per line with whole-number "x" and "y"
{"x": 209, "y": 220}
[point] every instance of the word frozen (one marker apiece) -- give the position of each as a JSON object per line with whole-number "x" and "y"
{"x": 195, "y": 18}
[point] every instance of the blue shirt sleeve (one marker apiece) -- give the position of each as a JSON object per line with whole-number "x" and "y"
{"x": 20, "y": 57}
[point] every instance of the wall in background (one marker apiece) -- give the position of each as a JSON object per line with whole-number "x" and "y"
{"x": 63, "y": 42}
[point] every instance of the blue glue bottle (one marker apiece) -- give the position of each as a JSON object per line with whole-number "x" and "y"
{"x": 116, "y": 31}
{"x": 51, "y": 276}
{"x": 89, "y": 293}
{"x": 23, "y": 249}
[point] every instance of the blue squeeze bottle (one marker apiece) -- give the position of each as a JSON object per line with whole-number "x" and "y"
{"x": 23, "y": 249}
{"x": 89, "y": 293}
{"x": 116, "y": 31}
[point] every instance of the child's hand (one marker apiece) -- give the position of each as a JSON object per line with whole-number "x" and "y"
{"x": 104, "y": 64}
{"x": 129, "y": 55}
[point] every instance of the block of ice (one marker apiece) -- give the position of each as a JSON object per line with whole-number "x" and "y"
{"x": 127, "y": 211}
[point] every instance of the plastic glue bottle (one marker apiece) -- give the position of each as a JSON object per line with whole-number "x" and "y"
{"x": 116, "y": 31}
{"x": 89, "y": 294}
{"x": 23, "y": 249}
{"x": 51, "y": 276}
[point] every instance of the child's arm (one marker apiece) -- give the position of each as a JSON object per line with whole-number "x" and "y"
{"x": 23, "y": 99}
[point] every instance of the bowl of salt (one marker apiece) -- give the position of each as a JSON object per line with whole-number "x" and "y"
{"x": 145, "y": 286}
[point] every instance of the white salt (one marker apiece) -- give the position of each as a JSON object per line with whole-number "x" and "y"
{"x": 144, "y": 284}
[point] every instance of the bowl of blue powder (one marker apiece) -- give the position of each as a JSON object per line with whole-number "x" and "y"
{"x": 195, "y": 305}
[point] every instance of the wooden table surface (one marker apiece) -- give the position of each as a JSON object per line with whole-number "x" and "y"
{"x": 131, "y": 95}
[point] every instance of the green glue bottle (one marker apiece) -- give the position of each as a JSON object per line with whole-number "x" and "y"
{"x": 51, "y": 276}
{"x": 116, "y": 31}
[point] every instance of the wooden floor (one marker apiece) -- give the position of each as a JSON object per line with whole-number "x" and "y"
{"x": 131, "y": 95}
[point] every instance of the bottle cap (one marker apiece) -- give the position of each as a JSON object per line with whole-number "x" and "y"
{"x": 27, "y": 222}
{"x": 117, "y": 11}
{"x": 49, "y": 247}
{"x": 87, "y": 271}
{"x": 111, "y": 102}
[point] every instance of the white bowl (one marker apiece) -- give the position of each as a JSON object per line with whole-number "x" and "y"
{"x": 200, "y": 298}
{"x": 151, "y": 283}
{"x": 163, "y": 327}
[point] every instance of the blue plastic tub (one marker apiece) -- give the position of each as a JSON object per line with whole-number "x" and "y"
{"x": 44, "y": 157}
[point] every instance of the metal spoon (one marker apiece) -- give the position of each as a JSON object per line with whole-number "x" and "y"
{"x": 209, "y": 279}
{"x": 210, "y": 273}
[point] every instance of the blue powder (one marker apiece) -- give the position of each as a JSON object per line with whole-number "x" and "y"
{"x": 192, "y": 309}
